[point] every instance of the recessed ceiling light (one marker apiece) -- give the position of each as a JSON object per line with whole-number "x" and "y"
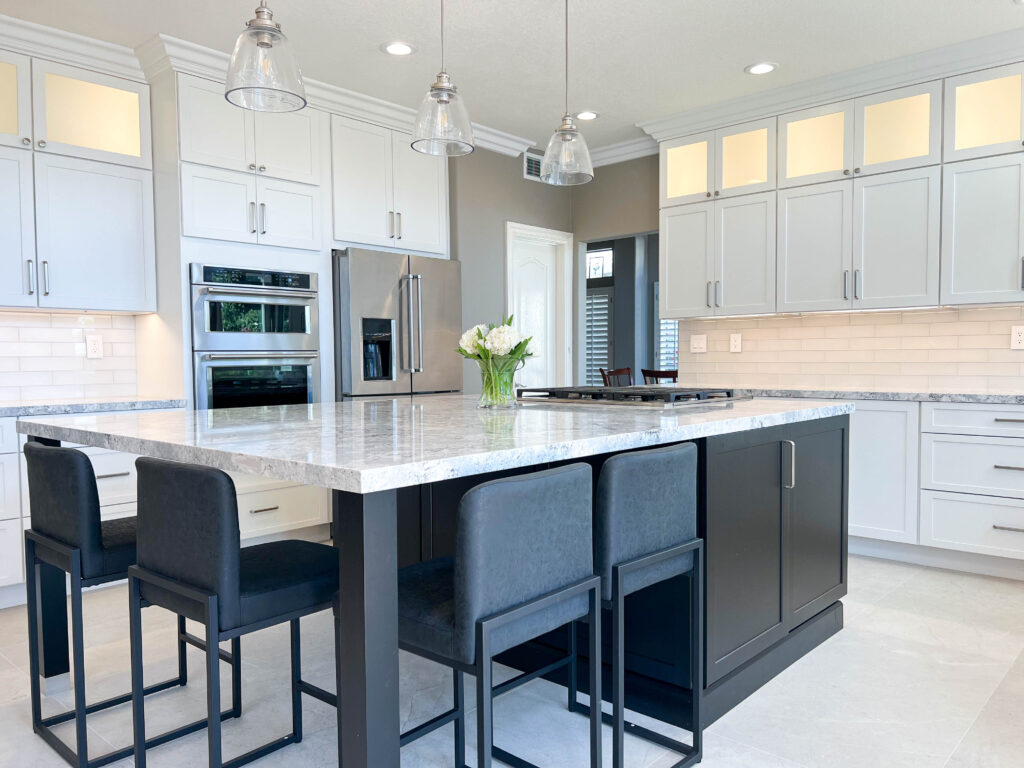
{"x": 397, "y": 48}
{"x": 587, "y": 115}
{"x": 761, "y": 68}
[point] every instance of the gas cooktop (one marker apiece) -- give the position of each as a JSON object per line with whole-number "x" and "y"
{"x": 634, "y": 395}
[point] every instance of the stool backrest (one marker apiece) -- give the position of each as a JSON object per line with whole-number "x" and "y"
{"x": 646, "y": 501}
{"x": 188, "y": 531}
{"x": 519, "y": 538}
{"x": 64, "y": 503}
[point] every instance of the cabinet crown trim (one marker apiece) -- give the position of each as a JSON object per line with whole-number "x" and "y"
{"x": 624, "y": 150}
{"x": 938, "y": 63}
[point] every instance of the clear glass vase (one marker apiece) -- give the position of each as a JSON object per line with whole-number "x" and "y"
{"x": 497, "y": 376}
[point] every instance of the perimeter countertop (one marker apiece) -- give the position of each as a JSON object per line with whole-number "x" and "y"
{"x": 922, "y": 397}
{"x": 369, "y": 445}
{"x": 21, "y": 408}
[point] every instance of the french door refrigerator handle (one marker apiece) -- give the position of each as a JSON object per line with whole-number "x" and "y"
{"x": 408, "y": 320}
{"x": 419, "y": 324}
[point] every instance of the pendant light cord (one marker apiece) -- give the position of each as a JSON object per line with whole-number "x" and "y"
{"x": 566, "y": 56}
{"x": 442, "y": 35}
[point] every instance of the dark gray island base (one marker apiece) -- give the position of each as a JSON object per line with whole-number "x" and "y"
{"x": 773, "y": 513}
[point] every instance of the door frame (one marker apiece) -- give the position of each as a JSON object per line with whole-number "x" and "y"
{"x": 563, "y": 241}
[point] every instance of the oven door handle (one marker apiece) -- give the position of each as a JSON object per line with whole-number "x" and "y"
{"x": 258, "y": 293}
{"x": 257, "y": 355}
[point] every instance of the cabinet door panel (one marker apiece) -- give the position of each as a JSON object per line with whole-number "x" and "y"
{"x": 212, "y": 130}
{"x": 420, "y": 198}
{"x": 884, "y": 470}
{"x": 816, "y": 144}
{"x": 984, "y": 113}
{"x": 288, "y": 144}
{"x": 94, "y": 227}
{"x": 85, "y": 114}
{"x": 15, "y": 100}
{"x": 745, "y": 158}
{"x": 745, "y": 255}
{"x": 899, "y": 129}
{"x": 896, "y": 239}
{"x": 982, "y": 238}
{"x": 289, "y": 214}
{"x": 17, "y": 229}
{"x": 362, "y": 182}
{"x": 218, "y": 204}
{"x": 687, "y": 169}
{"x": 12, "y": 561}
{"x": 686, "y": 260}
{"x": 815, "y": 247}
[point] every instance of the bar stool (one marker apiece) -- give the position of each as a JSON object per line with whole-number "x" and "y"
{"x": 190, "y": 561}
{"x": 645, "y": 531}
{"x": 523, "y": 566}
{"x": 67, "y": 533}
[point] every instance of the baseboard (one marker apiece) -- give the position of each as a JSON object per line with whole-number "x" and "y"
{"x": 970, "y": 562}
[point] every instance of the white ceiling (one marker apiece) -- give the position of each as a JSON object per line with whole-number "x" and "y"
{"x": 631, "y": 61}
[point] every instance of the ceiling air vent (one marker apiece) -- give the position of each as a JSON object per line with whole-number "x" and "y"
{"x": 531, "y": 165}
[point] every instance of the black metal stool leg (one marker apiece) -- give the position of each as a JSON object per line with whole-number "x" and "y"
{"x": 32, "y": 600}
{"x": 213, "y": 683}
{"x": 78, "y": 661}
{"x": 182, "y": 652}
{"x": 595, "y": 677}
{"x": 459, "y": 702}
{"x": 618, "y": 673}
{"x": 484, "y": 700}
{"x": 138, "y": 695}
{"x": 236, "y": 677}
{"x": 572, "y": 684}
{"x": 296, "y": 680}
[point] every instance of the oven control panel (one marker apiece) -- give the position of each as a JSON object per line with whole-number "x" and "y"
{"x": 254, "y": 277}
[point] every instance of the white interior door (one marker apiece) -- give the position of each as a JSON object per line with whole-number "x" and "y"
{"x": 539, "y": 295}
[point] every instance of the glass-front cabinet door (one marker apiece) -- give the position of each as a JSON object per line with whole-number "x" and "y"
{"x": 687, "y": 169}
{"x": 816, "y": 144}
{"x": 745, "y": 158}
{"x": 984, "y": 113}
{"x": 898, "y": 129}
{"x": 89, "y": 115}
{"x": 15, "y": 100}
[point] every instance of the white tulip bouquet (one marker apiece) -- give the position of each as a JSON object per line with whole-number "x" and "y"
{"x": 500, "y": 350}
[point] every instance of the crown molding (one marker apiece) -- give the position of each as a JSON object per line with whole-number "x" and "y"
{"x": 33, "y": 39}
{"x": 165, "y": 53}
{"x": 972, "y": 55}
{"x": 623, "y": 151}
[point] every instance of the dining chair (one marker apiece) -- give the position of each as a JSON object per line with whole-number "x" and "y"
{"x": 617, "y": 377}
{"x": 654, "y": 377}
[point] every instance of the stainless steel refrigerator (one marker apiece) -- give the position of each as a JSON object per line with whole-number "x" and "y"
{"x": 398, "y": 319}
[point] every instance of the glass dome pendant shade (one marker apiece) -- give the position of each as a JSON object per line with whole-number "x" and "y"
{"x": 263, "y": 75}
{"x": 442, "y": 124}
{"x": 567, "y": 159}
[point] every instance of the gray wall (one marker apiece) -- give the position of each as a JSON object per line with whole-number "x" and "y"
{"x": 621, "y": 200}
{"x": 486, "y": 190}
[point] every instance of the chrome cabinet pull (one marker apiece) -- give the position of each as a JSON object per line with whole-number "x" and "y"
{"x": 398, "y": 225}
{"x": 263, "y": 218}
{"x": 999, "y": 420}
{"x": 846, "y": 283}
{"x": 31, "y": 266}
{"x": 1007, "y": 466}
{"x": 264, "y": 509}
{"x": 46, "y": 277}
{"x": 112, "y": 474}
{"x": 707, "y": 294}
{"x": 391, "y": 223}
{"x": 718, "y": 293}
{"x": 792, "y": 465}
{"x": 1009, "y": 528}
{"x": 419, "y": 323}
{"x": 857, "y": 284}
{"x": 252, "y": 217}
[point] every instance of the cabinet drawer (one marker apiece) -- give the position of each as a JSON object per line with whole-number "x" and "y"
{"x": 12, "y": 567}
{"x": 973, "y": 419}
{"x": 967, "y": 523}
{"x": 8, "y": 435}
{"x": 993, "y": 466}
{"x": 116, "y": 478}
{"x": 281, "y": 509}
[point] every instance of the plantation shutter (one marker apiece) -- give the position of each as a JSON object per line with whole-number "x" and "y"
{"x": 599, "y": 333}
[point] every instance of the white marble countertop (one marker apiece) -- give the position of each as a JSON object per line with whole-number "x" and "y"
{"x": 921, "y": 397}
{"x": 21, "y": 408}
{"x": 376, "y": 444}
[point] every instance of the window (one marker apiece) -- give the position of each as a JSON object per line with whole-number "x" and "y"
{"x": 599, "y": 264}
{"x": 599, "y": 333}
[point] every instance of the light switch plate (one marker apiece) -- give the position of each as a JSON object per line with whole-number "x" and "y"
{"x": 1017, "y": 337}
{"x": 699, "y": 343}
{"x": 94, "y": 347}
{"x": 735, "y": 342}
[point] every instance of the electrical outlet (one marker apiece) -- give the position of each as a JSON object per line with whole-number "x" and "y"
{"x": 735, "y": 342}
{"x": 1017, "y": 337}
{"x": 699, "y": 343}
{"x": 94, "y": 347}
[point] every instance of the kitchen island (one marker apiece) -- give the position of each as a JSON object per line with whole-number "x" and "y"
{"x": 772, "y": 512}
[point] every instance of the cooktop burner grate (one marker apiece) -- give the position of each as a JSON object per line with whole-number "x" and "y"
{"x": 634, "y": 394}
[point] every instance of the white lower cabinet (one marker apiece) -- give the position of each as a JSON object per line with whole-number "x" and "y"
{"x": 281, "y": 509}
{"x": 993, "y": 466}
{"x": 12, "y": 567}
{"x": 10, "y": 494}
{"x": 884, "y": 470}
{"x": 982, "y": 524}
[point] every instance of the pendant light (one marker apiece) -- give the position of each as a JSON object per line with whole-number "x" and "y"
{"x": 442, "y": 125}
{"x": 263, "y": 75}
{"x": 567, "y": 159}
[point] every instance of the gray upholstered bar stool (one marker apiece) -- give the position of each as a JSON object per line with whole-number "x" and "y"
{"x": 523, "y": 566}
{"x": 645, "y": 532}
{"x": 190, "y": 561}
{"x": 67, "y": 533}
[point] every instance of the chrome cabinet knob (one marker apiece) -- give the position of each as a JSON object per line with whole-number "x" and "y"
{"x": 716, "y": 193}
{"x": 252, "y": 166}
{"x": 27, "y": 141}
{"x": 262, "y": 168}
{"x": 41, "y": 142}
{"x": 709, "y": 194}
{"x": 846, "y": 172}
{"x": 856, "y": 170}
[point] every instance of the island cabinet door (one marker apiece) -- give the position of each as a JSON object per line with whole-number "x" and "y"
{"x": 744, "y": 527}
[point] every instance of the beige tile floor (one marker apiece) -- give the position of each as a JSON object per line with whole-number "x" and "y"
{"x": 929, "y": 673}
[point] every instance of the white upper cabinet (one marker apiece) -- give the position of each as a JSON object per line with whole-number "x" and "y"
{"x": 687, "y": 169}
{"x": 745, "y": 255}
{"x": 85, "y": 114}
{"x": 898, "y": 129}
{"x": 983, "y": 231}
{"x": 984, "y": 113}
{"x": 420, "y": 198}
{"x": 816, "y": 144}
{"x": 686, "y": 261}
{"x": 94, "y": 235}
{"x": 288, "y": 214}
{"x": 17, "y": 229}
{"x": 212, "y": 130}
{"x": 896, "y": 239}
{"x": 815, "y": 247}
{"x": 15, "y": 100}
{"x": 288, "y": 144}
